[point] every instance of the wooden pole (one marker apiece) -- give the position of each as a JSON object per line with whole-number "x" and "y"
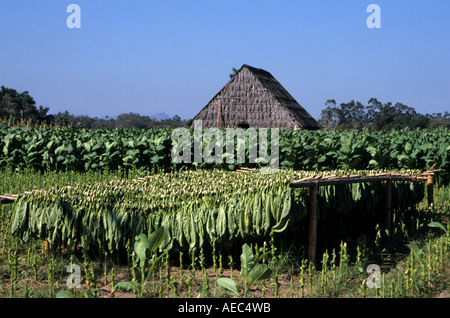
{"x": 388, "y": 206}
{"x": 430, "y": 183}
{"x": 46, "y": 247}
{"x": 312, "y": 235}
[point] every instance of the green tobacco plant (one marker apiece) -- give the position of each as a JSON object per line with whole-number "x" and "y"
{"x": 86, "y": 150}
{"x": 252, "y": 270}
{"x": 145, "y": 249}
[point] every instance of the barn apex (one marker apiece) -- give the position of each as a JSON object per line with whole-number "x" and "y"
{"x": 253, "y": 98}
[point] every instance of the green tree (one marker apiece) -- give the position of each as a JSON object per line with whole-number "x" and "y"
{"x": 21, "y": 106}
{"x": 377, "y": 116}
{"x": 330, "y": 115}
{"x": 439, "y": 120}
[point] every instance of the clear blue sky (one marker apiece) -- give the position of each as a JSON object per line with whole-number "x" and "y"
{"x": 173, "y": 56}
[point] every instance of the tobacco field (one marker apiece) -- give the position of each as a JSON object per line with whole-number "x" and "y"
{"x": 137, "y": 225}
{"x": 150, "y": 149}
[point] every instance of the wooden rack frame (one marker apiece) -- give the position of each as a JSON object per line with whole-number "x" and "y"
{"x": 314, "y": 182}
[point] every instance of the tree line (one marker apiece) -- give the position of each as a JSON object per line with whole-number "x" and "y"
{"x": 378, "y": 116}
{"x": 126, "y": 120}
{"x": 18, "y": 108}
{"x": 15, "y": 106}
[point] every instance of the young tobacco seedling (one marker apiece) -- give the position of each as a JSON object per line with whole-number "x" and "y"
{"x": 145, "y": 247}
{"x": 252, "y": 270}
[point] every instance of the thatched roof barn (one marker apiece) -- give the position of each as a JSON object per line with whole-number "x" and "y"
{"x": 253, "y": 98}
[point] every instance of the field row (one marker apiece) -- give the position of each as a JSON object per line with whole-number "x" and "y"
{"x": 86, "y": 150}
{"x": 201, "y": 209}
{"x": 410, "y": 261}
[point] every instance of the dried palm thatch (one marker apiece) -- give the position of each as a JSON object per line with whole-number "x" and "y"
{"x": 253, "y": 98}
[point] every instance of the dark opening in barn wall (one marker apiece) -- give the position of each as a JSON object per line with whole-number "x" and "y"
{"x": 243, "y": 125}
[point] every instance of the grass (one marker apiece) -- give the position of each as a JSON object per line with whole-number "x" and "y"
{"x": 413, "y": 262}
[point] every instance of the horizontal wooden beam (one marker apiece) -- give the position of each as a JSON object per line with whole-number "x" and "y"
{"x": 10, "y": 198}
{"x": 347, "y": 180}
{"x": 7, "y": 198}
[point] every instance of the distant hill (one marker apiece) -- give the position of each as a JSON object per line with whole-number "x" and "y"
{"x": 160, "y": 116}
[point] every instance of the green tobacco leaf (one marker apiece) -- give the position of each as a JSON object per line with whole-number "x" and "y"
{"x": 17, "y": 216}
{"x": 408, "y": 147}
{"x": 372, "y": 150}
{"x": 140, "y": 248}
{"x": 438, "y": 225}
{"x": 228, "y": 284}
{"x": 247, "y": 259}
{"x": 65, "y": 294}
{"x": 127, "y": 286}
{"x": 210, "y": 224}
{"x": 283, "y": 220}
{"x": 373, "y": 163}
{"x": 221, "y": 222}
{"x": 258, "y": 272}
{"x": 193, "y": 231}
{"x": 156, "y": 238}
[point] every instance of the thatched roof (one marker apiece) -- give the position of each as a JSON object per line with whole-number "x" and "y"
{"x": 253, "y": 98}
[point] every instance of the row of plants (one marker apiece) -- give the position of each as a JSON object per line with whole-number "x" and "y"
{"x": 201, "y": 209}
{"x": 393, "y": 150}
{"x": 85, "y": 150}
{"x": 32, "y": 270}
{"x": 417, "y": 266}
{"x": 16, "y": 182}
